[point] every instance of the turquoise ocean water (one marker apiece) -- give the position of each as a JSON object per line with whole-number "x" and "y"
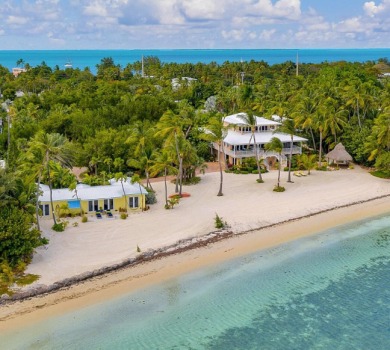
{"x": 89, "y": 58}
{"x": 328, "y": 291}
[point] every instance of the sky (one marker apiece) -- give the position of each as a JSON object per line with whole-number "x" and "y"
{"x": 184, "y": 24}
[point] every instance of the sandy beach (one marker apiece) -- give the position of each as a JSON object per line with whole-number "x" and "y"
{"x": 321, "y": 200}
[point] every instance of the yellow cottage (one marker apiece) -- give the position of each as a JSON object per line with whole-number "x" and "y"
{"x": 117, "y": 196}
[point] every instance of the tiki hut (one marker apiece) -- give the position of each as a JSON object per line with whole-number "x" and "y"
{"x": 339, "y": 155}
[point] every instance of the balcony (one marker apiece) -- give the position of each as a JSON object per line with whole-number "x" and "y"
{"x": 261, "y": 152}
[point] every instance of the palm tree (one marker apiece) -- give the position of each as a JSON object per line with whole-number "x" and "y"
{"x": 277, "y": 146}
{"x": 163, "y": 163}
{"x": 121, "y": 177}
{"x": 334, "y": 117}
{"x": 288, "y": 127}
{"x": 307, "y": 161}
{"x": 135, "y": 179}
{"x": 216, "y": 132}
{"x": 250, "y": 119}
{"x": 144, "y": 162}
{"x": 320, "y": 125}
{"x": 171, "y": 127}
{"x": 42, "y": 149}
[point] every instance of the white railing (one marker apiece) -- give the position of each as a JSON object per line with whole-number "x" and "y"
{"x": 261, "y": 152}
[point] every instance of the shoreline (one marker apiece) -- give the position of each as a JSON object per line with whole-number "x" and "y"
{"x": 158, "y": 269}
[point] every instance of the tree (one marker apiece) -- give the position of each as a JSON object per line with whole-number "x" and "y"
{"x": 251, "y": 120}
{"x": 215, "y": 132}
{"x": 135, "y": 179}
{"x": 277, "y": 146}
{"x": 122, "y": 178}
{"x": 288, "y": 127}
{"x": 163, "y": 163}
{"x": 307, "y": 161}
{"x": 43, "y": 149}
{"x": 379, "y": 140}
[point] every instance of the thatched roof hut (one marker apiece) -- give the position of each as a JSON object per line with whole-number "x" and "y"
{"x": 339, "y": 155}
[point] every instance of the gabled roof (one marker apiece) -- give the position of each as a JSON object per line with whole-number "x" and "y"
{"x": 237, "y": 138}
{"x": 86, "y": 192}
{"x": 235, "y": 119}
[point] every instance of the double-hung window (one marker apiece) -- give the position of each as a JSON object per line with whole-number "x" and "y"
{"x": 108, "y": 204}
{"x": 133, "y": 202}
{"x": 93, "y": 205}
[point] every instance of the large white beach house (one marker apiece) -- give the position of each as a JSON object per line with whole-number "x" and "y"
{"x": 238, "y": 144}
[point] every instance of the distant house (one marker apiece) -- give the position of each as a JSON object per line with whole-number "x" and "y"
{"x": 17, "y": 70}
{"x": 237, "y": 143}
{"x": 94, "y": 198}
{"x": 176, "y": 84}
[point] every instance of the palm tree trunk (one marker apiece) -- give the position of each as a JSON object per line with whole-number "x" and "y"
{"x": 220, "y": 172}
{"x": 181, "y": 175}
{"x": 313, "y": 139}
{"x": 320, "y": 151}
{"x": 165, "y": 183}
{"x": 358, "y": 114}
{"x": 280, "y": 161}
{"x": 37, "y": 202}
{"x": 148, "y": 184}
{"x": 289, "y": 163}
{"x": 51, "y": 190}
{"x": 257, "y": 157}
{"x": 124, "y": 194}
{"x": 140, "y": 192}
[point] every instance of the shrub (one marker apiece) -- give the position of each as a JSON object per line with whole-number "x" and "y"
{"x": 219, "y": 223}
{"x": 123, "y": 216}
{"x": 260, "y": 181}
{"x": 138, "y": 249}
{"x": 279, "y": 189}
{"x": 84, "y": 218}
{"x": 75, "y": 224}
{"x": 59, "y": 226}
{"x": 151, "y": 197}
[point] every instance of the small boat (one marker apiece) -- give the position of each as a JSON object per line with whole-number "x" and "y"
{"x": 68, "y": 64}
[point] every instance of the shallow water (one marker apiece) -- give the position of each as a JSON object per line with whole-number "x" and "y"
{"x": 329, "y": 291}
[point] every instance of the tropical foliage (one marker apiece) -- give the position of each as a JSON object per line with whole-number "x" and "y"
{"x": 118, "y": 123}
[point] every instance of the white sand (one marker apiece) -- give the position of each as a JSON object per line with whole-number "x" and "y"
{"x": 245, "y": 205}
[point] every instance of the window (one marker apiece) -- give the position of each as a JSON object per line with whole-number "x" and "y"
{"x": 93, "y": 205}
{"x": 108, "y": 204}
{"x": 133, "y": 202}
{"x": 44, "y": 209}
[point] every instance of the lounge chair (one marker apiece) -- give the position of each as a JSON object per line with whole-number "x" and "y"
{"x": 296, "y": 173}
{"x": 109, "y": 214}
{"x": 98, "y": 215}
{"x": 302, "y": 173}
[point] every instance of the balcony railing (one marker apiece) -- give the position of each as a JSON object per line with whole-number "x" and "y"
{"x": 261, "y": 152}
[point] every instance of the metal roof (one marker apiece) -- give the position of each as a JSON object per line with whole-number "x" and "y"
{"x": 85, "y": 192}
{"x": 235, "y": 119}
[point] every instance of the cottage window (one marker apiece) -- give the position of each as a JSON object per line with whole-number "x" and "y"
{"x": 133, "y": 202}
{"x": 44, "y": 209}
{"x": 108, "y": 204}
{"x": 93, "y": 205}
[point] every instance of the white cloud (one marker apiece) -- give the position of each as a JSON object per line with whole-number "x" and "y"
{"x": 289, "y": 9}
{"x": 16, "y": 20}
{"x": 372, "y": 9}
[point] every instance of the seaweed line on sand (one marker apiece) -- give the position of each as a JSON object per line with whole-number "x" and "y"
{"x": 176, "y": 248}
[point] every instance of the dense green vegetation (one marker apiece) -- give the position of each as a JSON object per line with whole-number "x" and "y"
{"x": 119, "y": 123}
